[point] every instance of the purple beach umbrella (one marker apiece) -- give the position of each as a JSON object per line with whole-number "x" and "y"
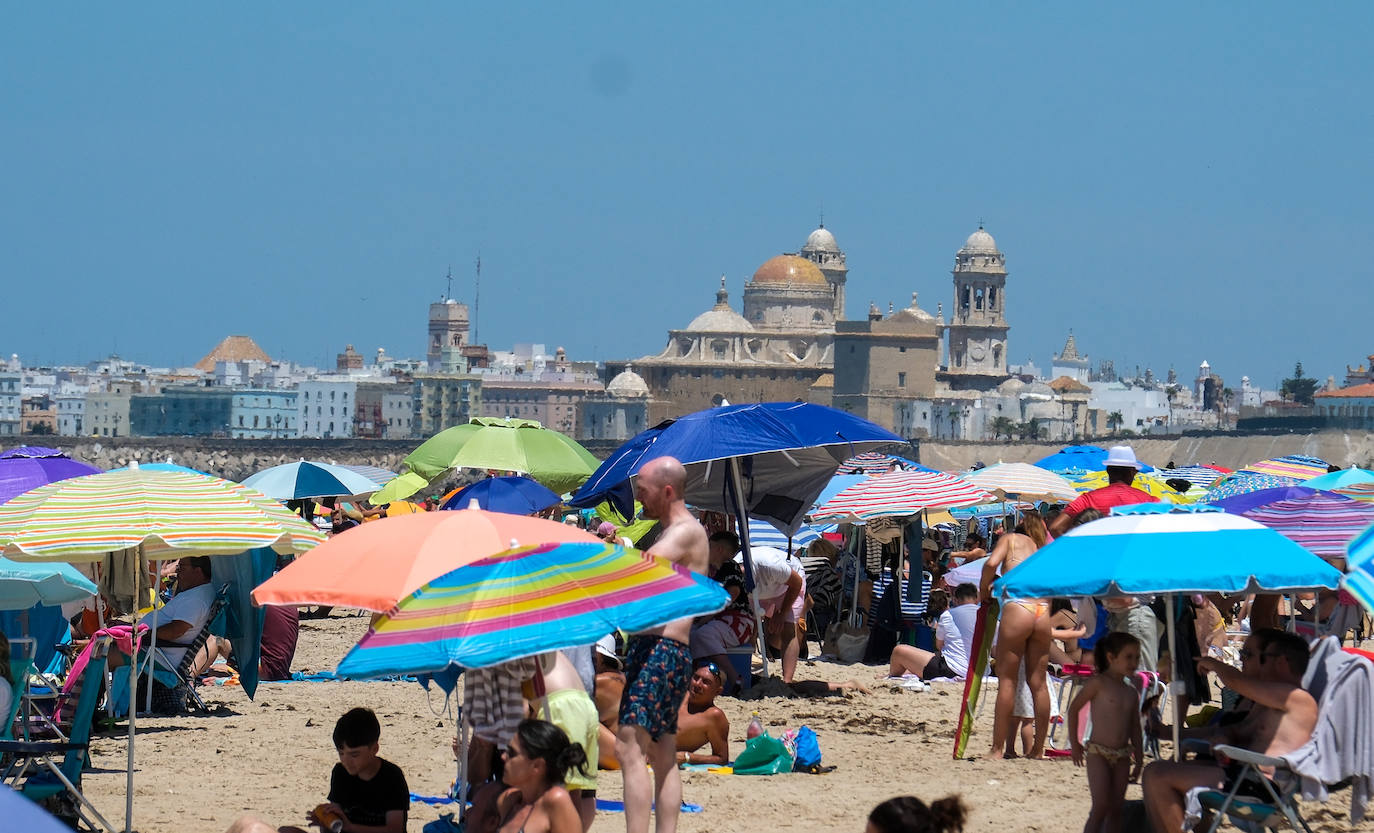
{"x": 29, "y": 467}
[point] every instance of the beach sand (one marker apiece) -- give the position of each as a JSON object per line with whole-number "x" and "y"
{"x": 272, "y": 757}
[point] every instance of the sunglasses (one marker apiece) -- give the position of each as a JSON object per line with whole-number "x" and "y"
{"x": 713, "y": 668}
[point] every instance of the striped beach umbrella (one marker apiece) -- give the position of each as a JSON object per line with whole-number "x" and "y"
{"x": 1298, "y": 466}
{"x": 169, "y": 514}
{"x": 526, "y": 601}
{"x": 764, "y": 534}
{"x": 1324, "y": 523}
{"x": 1203, "y": 476}
{"x": 1240, "y": 484}
{"x": 899, "y": 494}
{"x": 310, "y": 478}
{"x": 872, "y": 462}
{"x": 1023, "y": 481}
{"x": 1360, "y": 491}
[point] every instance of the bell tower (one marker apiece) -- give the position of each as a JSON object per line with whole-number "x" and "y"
{"x": 977, "y": 332}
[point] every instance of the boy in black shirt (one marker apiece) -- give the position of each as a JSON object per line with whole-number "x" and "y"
{"x": 369, "y": 792}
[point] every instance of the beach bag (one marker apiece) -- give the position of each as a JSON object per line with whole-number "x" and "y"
{"x": 845, "y": 641}
{"x": 808, "y": 752}
{"x": 763, "y": 755}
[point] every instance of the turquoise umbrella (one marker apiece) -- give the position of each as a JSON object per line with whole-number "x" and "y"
{"x": 1359, "y": 582}
{"x": 1343, "y": 479}
{"x": 24, "y": 584}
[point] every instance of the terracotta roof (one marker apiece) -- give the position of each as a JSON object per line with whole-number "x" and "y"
{"x": 1360, "y": 391}
{"x": 1068, "y": 384}
{"x": 232, "y": 349}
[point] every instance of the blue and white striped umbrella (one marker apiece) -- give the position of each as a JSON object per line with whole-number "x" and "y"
{"x": 764, "y": 534}
{"x": 1197, "y": 475}
{"x": 1167, "y": 552}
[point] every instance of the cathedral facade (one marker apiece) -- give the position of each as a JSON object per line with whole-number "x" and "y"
{"x": 792, "y": 342}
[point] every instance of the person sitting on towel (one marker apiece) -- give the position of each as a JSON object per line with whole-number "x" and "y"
{"x": 700, "y": 721}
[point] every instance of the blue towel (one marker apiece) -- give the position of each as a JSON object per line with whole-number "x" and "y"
{"x": 604, "y": 805}
{"x": 331, "y": 677}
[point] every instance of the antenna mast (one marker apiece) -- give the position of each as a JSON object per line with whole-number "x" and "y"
{"x": 448, "y": 291}
{"x": 477, "y": 299}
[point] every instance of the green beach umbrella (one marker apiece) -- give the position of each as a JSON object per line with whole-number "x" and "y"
{"x": 501, "y": 444}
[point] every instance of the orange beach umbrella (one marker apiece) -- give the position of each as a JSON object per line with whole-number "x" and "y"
{"x": 374, "y": 566}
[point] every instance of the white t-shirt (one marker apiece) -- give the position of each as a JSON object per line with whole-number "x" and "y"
{"x": 191, "y": 606}
{"x": 772, "y": 570}
{"x": 954, "y": 633}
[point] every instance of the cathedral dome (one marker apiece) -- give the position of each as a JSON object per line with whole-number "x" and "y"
{"x": 790, "y": 269}
{"x": 628, "y": 385}
{"x": 821, "y": 240}
{"x": 980, "y": 242}
{"x": 718, "y": 320}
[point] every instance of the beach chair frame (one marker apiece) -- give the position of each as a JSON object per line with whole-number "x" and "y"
{"x": 1255, "y": 811}
{"x": 34, "y": 770}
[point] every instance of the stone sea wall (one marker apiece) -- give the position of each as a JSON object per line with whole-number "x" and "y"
{"x": 237, "y": 459}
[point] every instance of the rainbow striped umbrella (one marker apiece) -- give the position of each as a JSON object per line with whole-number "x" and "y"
{"x": 1360, "y": 491}
{"x": 170, "y": 514}
{"x": 1297, "y": 466}
{"x": 525, "y": 601}
{"x": 1322, "y": 522}
{"x": 899, "y": 494}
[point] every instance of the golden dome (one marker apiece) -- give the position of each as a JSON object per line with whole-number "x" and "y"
{"x": 790, "y": 269}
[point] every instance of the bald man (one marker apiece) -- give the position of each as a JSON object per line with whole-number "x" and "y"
{"x": 658, "y": 663}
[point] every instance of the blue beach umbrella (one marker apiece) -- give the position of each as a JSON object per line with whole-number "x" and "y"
{"x": 1143, "y": 553}
{"x": 24, "y": 584}
{"x": 1237, "y": 484}
{"x": 837, "y": 484}
{"x": 510, "y": 495}
{"x": 1342, "y": 479}
{"x": 1079, "y": 458}
{"x": 306, "y": 479}
{"x": 1359, "y": 581}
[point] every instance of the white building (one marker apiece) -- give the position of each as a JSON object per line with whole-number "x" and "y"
{"x": 71, "y": 414}
{"x": 11, "y": 402}
{"x": 327, "y": 406}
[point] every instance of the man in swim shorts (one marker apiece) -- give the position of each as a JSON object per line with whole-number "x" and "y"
{"x": 658, "y": 663}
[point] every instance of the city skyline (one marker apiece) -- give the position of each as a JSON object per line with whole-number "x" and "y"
{"x": 1172, "y": 188}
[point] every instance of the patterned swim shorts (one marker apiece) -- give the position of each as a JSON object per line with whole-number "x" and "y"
{"x": 658, "y": 671}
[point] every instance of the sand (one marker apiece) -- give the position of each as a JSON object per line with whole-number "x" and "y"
{"x": 272, "y": 756}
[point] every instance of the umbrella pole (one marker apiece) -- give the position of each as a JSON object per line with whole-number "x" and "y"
{"x": 742, "y": 516}
{"x": 133, "y": 707}
{"x": 1175, "y": 684}
{"x": 462, "y": 791}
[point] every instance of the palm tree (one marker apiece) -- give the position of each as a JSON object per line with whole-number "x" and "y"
{"x": 1114, "y": 420}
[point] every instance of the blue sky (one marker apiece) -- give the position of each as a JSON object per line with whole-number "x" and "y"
{"x": 1175, "y": 183}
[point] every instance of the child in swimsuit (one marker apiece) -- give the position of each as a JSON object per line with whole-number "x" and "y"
{"x": 1114, "y": 755}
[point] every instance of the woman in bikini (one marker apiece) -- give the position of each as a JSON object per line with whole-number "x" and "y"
{"x": 1023, "y": 636}
{"x": 537, "y": 760}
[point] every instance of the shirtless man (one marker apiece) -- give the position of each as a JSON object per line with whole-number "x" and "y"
{"x": 1281, "y": 720}
{"x": 567, "y": 705}
{"x": 658, "y": 663}
{"x": 700, "y": 721}
{"x": 1023, "y": 635}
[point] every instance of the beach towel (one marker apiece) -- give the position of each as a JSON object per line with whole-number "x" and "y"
{"x": 123, "y": 638}
{"x": 1346, "y": 712}
{"x": 984, "y": 630}
{"x": 493, "y": 699}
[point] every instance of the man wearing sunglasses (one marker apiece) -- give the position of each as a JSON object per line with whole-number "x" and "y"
{"x": 1281, "y": 720}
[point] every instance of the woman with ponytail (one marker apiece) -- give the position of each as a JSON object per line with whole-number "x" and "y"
{"x": 539, "y": 758}
{"x": 908, "y": 814}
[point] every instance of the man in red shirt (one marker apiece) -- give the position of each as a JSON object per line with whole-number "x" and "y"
{"x": 1121, "y": 468}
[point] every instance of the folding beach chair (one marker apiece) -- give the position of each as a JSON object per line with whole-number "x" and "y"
{"x": 20, "y": 669}
{"x": 183, "y": 692}
{"x": 1344, "y": 737}
{"x": 36, "y": 769}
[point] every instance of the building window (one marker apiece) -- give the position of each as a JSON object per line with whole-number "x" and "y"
{"x": 901, "y": 380}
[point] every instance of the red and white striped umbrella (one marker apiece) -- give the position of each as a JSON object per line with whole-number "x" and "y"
{"x": 899, "y": 494}
{"x": 1323, "y": 523}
